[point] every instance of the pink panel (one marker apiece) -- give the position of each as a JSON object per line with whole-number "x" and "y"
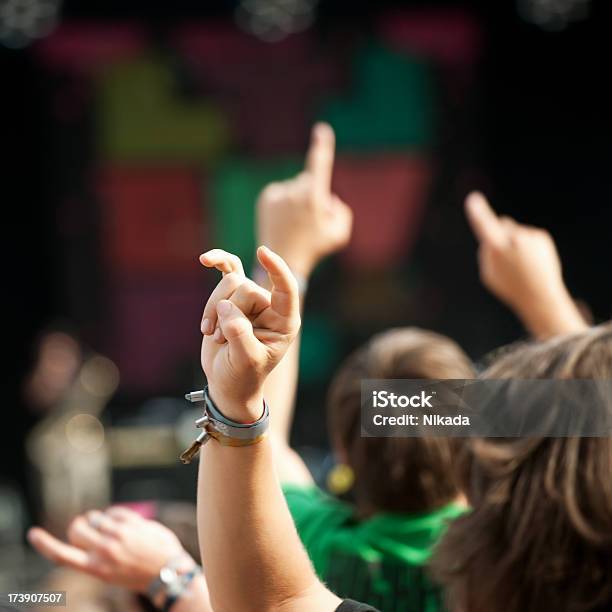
{"x": 152, "y": 219}
{"x": 269, "y": 89}
{"x": 224, "y": 44}
{"x": 155, "y": 330}
{"x": 84, "y": 47}
{"x": 451, "y": 37}
{"x": 388, "y": 195}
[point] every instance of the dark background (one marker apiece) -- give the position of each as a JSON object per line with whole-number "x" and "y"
{"x": 534, "y": 131}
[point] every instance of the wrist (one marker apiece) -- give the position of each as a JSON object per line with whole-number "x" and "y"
{"x": 241, "y": 410}
{"x": 554, "y": 313}
{"x": 300, "y": 266}
{"x": 173, "y": 570}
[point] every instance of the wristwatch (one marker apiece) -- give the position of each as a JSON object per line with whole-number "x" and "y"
{"x": 172, "y": 582}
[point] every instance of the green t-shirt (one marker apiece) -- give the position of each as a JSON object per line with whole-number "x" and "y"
{"x": 380, "y": 560}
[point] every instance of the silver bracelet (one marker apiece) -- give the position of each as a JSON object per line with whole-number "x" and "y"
{"x": 215, "y": 425}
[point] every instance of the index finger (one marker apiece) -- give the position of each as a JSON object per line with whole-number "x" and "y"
{"x": 57, "y": 551}
{"x": 483, "y": 220}
{"x": 222, "y": 260}
{"x": 285, "y": 298}
{"x": 320, "y": 157}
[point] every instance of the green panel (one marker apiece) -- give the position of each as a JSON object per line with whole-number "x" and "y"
{"x": 391, "y": 106}
{"x": 319, "y": 349}
{"x": 143, "y": 117}
{"x": 235, "y": 188}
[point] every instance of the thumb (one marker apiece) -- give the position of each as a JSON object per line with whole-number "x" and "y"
{"x": 344, "y": 210}
{"x": 244, "y": 347}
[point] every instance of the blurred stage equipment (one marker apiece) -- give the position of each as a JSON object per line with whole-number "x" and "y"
{"x": 144, "y": 442}
{"x": 553, "y": 15}
{"x": 13, "y": 555}
{"x": 24, "y": 21}
{"x": 69, "y": 447}
{"x": 153, "y": 436}
{"x": 273, "y": 20}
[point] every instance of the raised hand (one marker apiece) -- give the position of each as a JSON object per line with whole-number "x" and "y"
{"x": 520, "y": 265}
{"x": 118, "y": 546}
{"x": 247, "y": 330}
{"x": 301, "y": 219}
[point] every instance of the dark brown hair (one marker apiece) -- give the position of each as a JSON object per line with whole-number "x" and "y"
{"x": 539, "y": 536}
{"x": 396, "y": 474}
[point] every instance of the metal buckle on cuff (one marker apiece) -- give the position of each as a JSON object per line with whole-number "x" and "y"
{"x": 226, "y": 432}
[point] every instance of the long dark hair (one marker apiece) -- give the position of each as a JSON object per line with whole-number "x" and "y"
{"x": 539, "y": 536}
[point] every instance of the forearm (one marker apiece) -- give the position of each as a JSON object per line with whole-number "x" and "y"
{"x": 251, "y": 553}
{"x": 280, "y": 390}
{"x": 554, "y": 316}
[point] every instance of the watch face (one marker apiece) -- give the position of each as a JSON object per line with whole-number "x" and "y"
{"x": 168, "y": 575}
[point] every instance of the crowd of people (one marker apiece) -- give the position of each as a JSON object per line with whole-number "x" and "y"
{"x": 458, "y": 524}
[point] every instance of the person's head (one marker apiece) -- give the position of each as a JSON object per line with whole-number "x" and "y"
{"x": 396, "y": 474}
{"x": 539, "y": 536}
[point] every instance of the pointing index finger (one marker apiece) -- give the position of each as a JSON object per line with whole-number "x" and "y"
{"x": 320, "y": 157}
{"x": 483, "y": 220}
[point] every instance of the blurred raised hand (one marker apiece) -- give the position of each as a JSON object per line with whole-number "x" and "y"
{"x": 121, "y": 548}
{"x": 520, "y": 265}
{"x": 247, "y": 330}
{"x": 301, "y": 219}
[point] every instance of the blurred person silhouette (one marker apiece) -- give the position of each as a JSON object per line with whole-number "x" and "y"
{"x": 50, "y": 370}
{"x": 68, "y": 449}
{"x": 56, "y": 365}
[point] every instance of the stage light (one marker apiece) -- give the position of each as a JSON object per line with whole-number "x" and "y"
{"x": 23, "y": 21}
{"x": 553, "y": 15}
{"x": 85, "y": 433}
{"x": 273, "y": 20}
{"x": 99, "y": 376}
